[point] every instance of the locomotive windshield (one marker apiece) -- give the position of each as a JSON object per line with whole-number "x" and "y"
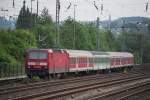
{"x": 37, "y": 55}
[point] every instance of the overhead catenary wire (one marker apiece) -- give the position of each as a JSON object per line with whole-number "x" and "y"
{"x": 95, "y": 6}
{"x": 15, "y": 5}
{"x": 69, "y": 6}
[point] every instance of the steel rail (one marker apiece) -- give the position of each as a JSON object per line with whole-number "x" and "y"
{"x": 75, "y": 89}
{"x": 125, "y": 97}
{"x": 112, "y": 93}
{"x": 52, "y": 83}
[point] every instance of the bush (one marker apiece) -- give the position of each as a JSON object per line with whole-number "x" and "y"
{"x": 35, "y": 78}
{"x": 14, "y": 43}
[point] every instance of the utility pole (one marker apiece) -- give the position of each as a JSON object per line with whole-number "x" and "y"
{"x": 39, "y": 34}
{"x": 31, "y": 6}
{"x": 57, "y": 21}
{"x": 74, "y": 30}
{"x": 123, "y": 35}
{"x": 142, "y": 47}
{"x": 141, "y": 28}
{"x": 97, "y": 26}
{"x": 37, "y": 7}
{"x": 31, "y": 14}
{"x": 97, "y": 39}
{"x": 37, "y": 11}
{"x": 109, "y": 25}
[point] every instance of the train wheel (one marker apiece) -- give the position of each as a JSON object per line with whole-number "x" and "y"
{"x": 87, "y": 72}
{"x": 98, "y": 72}
{"x": 109, "y": 71}
{"x": 125, "y": 70}
{"x": 49, "y": 76}
{"x": 76, "y": 73}
{"x": 59, "y": 75}
{"x": 64, "y": 75}
{"x": 130, "y": 68}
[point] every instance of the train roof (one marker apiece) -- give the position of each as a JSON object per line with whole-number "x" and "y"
{"x": 120, "y": 54}
{"x": 99, "y": 54}
{"x": 49, "y": 50}
{"x": 79, "y": 53}
{"x": 84, "y": 53}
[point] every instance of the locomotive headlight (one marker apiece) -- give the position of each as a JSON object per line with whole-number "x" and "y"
{"x": 37, "y": 63}
{"x": 31, "y": 63}
{"x": 43, "y": 63}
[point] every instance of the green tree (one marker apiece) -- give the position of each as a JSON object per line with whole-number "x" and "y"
{"x": 45, "y": 30}
{"x": 67, "y": 35}
{"x": 45, "y": 18}
{"x": 14, "y": 43}
{"x": 25, "y": 18}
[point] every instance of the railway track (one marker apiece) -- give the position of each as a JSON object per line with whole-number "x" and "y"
{"x": 55, "y": 83}
{"x": 34, "y": 85}
{"x": 37, "y": 87}
{"x": 143, "y": 94}
{"x": 135, "y": 90}
{"x": 52, "y": 94}
{"x": 125, "y": 93}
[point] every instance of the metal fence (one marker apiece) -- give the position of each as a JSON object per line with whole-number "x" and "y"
{"x": 10, "y": 70}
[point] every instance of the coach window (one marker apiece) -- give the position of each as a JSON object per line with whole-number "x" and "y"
{"x": 112, "y": 61}
{"x": 128, "y": 60}
{"x": 90, "y": 60}
{"x": 96, "y": 60}
{"x": 99, "y": 59}
{"x": 106, "y": 60}
{"x": 103, "y": 59}
{"x": 72, "y": 60}
{"x": 83, "y": 60}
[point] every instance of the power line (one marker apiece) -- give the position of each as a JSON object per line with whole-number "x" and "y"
{"x": 69, "y": 6}
{"x": 95, "y": 6}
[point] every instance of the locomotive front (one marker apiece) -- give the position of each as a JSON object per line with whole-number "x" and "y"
{"x": 37, "y": 62}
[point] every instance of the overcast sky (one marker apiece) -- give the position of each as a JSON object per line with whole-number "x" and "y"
{"x": 85, "y": 9}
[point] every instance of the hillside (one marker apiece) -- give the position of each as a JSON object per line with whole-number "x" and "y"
{"x": 130, "y": 24}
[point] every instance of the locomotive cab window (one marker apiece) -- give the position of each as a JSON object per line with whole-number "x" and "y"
{"x": 38, "y": 55}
